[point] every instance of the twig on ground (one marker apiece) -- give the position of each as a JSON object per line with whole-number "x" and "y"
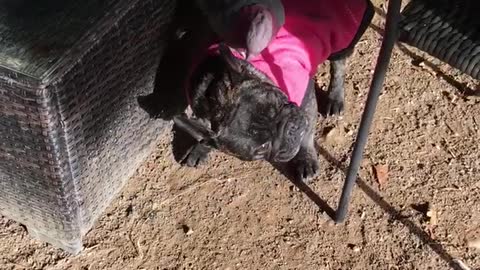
{"x": 446, "y": 147}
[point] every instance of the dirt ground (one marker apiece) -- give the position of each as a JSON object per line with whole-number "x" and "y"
{"x": 417, "y": 205}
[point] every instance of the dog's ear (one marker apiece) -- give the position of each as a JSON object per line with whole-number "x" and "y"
{"x": 197, "y": 130}
{"x": 232, "y": 62}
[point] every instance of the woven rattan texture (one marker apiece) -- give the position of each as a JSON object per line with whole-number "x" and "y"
{"x": 73, "y": 136}
{"x": 36, "y": 33}
{"x": 446, "y": 29}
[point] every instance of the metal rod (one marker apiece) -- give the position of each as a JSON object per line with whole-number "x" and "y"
{"x": 390, "y": 37}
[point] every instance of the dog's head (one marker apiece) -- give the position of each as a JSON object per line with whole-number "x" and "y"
{"x": 242, "y": 112}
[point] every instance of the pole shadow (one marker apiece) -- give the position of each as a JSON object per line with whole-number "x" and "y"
{"x": 394, "y": 213}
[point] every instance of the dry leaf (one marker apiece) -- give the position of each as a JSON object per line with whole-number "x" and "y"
{"x": 433, "y": 215}
{"x": 381, "y": 173}
{"x": 474, "y": 243}
{"x": 430, "y": 230}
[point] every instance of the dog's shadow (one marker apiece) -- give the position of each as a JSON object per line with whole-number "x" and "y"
{"x": 167, "y": 98}
{"x": 186, "y": 37}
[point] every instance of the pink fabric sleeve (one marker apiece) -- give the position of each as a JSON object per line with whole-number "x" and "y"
{"x": 313, "y": 30}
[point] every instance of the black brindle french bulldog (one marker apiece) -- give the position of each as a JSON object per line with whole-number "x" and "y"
{"x": 238, "y": 110}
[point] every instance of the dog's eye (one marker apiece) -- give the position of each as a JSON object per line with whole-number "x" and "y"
{"x": 264, "y": 146}
{"x": 272, "y": 112}
{"x": 262, "y": 151}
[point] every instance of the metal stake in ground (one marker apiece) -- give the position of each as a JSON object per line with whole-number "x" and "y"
{"x": 391, "y": 30}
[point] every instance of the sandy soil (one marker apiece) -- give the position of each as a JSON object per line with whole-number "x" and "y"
{"x": 230, "y": 214}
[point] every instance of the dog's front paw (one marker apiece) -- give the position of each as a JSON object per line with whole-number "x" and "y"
{"x": 335, "y": 104}
{"x": 305, "y": 165}
{"x": 196, "y": 155}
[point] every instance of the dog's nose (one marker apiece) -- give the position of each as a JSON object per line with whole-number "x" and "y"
{"x": 290, "y": 135}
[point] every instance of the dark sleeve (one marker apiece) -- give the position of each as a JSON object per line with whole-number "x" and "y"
{"x": 219, "y": 12}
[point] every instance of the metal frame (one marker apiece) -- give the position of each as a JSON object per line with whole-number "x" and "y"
{"x": 391, "y": 34}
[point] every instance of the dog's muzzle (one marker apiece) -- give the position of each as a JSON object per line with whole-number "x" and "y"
{"x": 290, "y": 132}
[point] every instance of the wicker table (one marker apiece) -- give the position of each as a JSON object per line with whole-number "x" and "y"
{"x": 71, "y": 132}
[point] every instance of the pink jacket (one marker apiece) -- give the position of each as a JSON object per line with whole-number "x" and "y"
{"x": 313, "y": 30}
